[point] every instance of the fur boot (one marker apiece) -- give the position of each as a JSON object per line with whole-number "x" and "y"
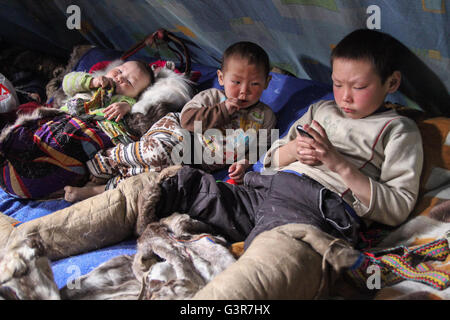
{"x": 112, "y": 280}
{"x": 173, "y": 262}
{"x": 149, "y": 197}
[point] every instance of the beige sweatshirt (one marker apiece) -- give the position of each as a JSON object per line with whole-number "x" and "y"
{"x": 385, "y": 146}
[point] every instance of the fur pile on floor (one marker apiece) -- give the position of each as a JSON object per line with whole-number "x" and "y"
{"x": 175, "y": 258}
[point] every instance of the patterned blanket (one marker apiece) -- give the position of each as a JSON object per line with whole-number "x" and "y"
{"x": 397, "y": 264}
{"x": 47, "y": 150}
{"x": 414, "y": 259}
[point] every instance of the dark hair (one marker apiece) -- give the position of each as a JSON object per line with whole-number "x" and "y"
{"x": 250, "y": 51}
{"x": 145, "y": 66}
{"x": 379, "y": 48}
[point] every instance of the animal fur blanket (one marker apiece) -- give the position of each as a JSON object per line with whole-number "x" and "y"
{"x": 175, "y": 258}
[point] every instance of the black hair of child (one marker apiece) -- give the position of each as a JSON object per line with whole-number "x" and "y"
{"x": 250, "y": 51}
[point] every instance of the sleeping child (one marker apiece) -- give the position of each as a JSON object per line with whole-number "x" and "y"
{"x": 109, "y": 97}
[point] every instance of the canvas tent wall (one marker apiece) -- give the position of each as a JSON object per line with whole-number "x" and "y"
{"x": 298, "y": 34}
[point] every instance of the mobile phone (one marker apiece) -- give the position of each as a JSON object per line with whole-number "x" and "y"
{"x": 303, "y": 132}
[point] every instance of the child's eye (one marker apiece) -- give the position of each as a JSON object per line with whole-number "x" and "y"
{"x": 255, "y": 84}
{"x": 360, "y": 88}
{"x": 337, "y": 85}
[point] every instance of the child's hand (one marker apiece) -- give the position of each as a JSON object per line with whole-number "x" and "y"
{"x": 232, "y": 105}
{"x": 102, "y": 82}
{"x": 304, "y": 151}
{"x": 237, "y": 171}
{"x": 117, "y": 110}
{"x": 319, "y": 150}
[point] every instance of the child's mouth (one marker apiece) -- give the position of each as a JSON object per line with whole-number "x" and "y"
{"x": 347, "y": 110}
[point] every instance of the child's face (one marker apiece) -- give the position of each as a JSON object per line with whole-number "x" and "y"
{"x": 357, "y": 88}
{"x": 129, "y": 78}
{"x": 243, "y": 81}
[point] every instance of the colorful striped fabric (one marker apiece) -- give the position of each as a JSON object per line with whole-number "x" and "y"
{"x": 402, "y": 263}
{"x": 40, "y": 157}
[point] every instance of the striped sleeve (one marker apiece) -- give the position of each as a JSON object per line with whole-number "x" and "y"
{"x": 75, "y": 82}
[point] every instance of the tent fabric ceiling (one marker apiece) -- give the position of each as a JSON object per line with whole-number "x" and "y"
{"x": 298, "y": 34}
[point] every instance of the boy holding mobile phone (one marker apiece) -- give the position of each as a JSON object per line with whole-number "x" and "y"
{"x": 303, "y": 132}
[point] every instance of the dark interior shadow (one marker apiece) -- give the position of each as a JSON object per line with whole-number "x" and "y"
{"x": 316, "y": 70}
{"x": 421, "y": 84}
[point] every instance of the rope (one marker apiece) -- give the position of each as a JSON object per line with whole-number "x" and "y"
{"x": 324, "y": 267}
{"x": 167, "y": 37}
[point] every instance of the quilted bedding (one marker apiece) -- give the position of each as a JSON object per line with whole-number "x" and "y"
{"x": 276, "y": 271}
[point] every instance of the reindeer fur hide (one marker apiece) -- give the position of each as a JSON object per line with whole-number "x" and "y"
{"x": 175, "y": 258}
{"x": 25, "y": 272}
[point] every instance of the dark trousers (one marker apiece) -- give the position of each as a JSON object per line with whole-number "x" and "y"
{"x": 262, "y": 203}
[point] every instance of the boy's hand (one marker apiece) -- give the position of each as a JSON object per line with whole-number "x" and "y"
{"x": 102, "y": 82}
{"x": 232, "y": 105}
{"x": 304, "y": 151}
{"x": 117, "y": 110}
{"x": 319, "y": 150}
{"x": 237, "y": 170}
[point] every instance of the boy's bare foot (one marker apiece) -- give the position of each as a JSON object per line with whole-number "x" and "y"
{"x": 74, "y": 194}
